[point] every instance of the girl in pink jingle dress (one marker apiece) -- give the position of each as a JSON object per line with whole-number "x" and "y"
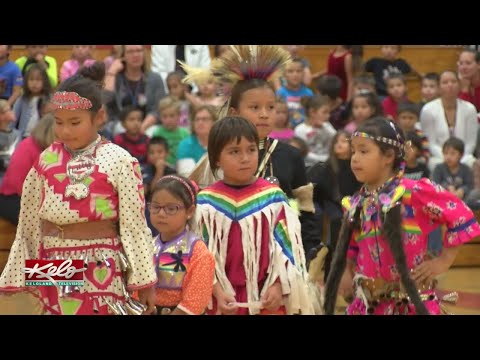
{"x": 83, "y": 200}
{"x": 383, "y": 240}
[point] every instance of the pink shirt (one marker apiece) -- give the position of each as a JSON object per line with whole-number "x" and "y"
{"x": 285, "y": 134}
{"x": 70, "y": 68}
{"x": 425, "y": 206}
{"x": 20, "y": 164}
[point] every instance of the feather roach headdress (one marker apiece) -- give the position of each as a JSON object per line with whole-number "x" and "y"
{"x": 242, "y": 62}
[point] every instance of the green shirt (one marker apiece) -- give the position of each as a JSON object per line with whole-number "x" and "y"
{"x": 173, "y": 138}
{"x": 52, "y": 71}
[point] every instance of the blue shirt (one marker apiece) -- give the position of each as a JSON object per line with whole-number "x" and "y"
{"x": 10, "y": 76}
{"x": 296, "y": 112}
{"x": 190, "y": 148}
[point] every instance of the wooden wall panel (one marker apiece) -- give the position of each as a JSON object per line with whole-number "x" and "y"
{"x": 423, "y": 58}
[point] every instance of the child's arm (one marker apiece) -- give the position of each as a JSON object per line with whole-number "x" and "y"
{"x": 346, "y": 283}
{"x": 349, "y": 74}
{"x": 198, "y": 282}
{"x": 134, "y": 232}
{"x": 439, "y": 207}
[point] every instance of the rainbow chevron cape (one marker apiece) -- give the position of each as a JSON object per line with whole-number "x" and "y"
{"x": 219, "y": 205}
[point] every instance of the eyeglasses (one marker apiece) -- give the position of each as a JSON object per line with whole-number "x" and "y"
{"x": 169, "y": 209}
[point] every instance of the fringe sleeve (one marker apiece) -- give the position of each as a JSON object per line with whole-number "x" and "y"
{"x": 301, "y": 295}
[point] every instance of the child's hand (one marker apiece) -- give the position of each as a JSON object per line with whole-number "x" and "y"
{"x": 451, "y": 189}
{"x": 147, "y": 297}
{"x": 272, "y": 299}
{"x": 225, "y": 304}
{"x": 39, "y": 57}
{"x": 428, "y": 270}
{"x": 460, "y": 193}
{"x": 160, "y": 165}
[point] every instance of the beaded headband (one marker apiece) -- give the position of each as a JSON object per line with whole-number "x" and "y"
{"x": 70, "y": 101}
{"x": 399, "y": 144}
{"x": 189, "y": 188}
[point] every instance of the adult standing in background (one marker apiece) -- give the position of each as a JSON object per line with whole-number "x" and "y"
{"x": 164, "y": 58}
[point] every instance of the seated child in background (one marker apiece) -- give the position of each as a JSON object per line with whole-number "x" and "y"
{"x": 154, "y": 170}
{"x": 9, "y": 138}
{"x": 414, "y": 169}
{"x": 330, "y": 86}
{"x": 365, "y": 105}
{"x": 281, "y": 130}
{"x": 169, "y": 109}
{"x": 180, "y": 91}
{"x": 430, "y": 89}
{"x": 397, "y": 94}
{"x": 316, "y": 131}
{"x": 407, "y": 118}
{"x": 454, "y": 176}
{"x": 132, "y": 139}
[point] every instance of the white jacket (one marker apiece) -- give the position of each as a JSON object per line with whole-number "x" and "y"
{"x": 434, "y": 125}
{"x": 164, "y": 61}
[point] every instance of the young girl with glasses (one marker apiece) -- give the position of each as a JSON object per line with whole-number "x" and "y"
{"x": 184, "y": 265}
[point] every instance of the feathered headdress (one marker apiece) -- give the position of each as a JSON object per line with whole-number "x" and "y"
{"x": 242, "y": 62}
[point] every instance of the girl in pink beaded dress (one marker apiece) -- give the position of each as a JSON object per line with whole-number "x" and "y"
{"x": 382, "y": 244}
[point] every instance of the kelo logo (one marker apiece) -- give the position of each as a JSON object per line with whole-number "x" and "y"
{"x": 54, "y": 272}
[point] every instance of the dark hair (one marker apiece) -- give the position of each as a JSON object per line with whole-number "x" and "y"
{"x": 175, "y": 74}
{"x": 391, "y": 230}
{"x": 455, "y": 74}
{"x": 243, "y": 86}
{"x": 303, "y": 147}
{"x": 357, "y": 57}
{"x": 175, "y": 186}
{"x": 396, "y": 76}
{"x": 380, "y": 126}
{"x": 432, "y": 76}
{"x": 158, "y": 140}
{"x": 313, "y": 102}
{"x": 87, "y": 83}
{"x": 298, "y": 61}
{"x": 364, "y": 78}
{"x": 47, "y": 87}
{"x": 225, "y": 131}
{"x": 454, "y": 143}
{"x": 408, "y": 107}
{"x": 332, "y": 159}
{"x": 127, "y": 110}
{"x": 329, "y": 85}
{"x": 414, "y": 139}
{"x": 372, "y": 100}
